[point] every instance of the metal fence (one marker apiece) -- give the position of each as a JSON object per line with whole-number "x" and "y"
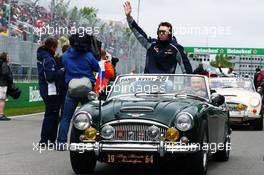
{"x": 23, "y": 57}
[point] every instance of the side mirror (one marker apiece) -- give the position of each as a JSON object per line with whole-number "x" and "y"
{"x": 259, "y": 90}
{"x": 212, "y": 91}
{"x": 217, "y": 99}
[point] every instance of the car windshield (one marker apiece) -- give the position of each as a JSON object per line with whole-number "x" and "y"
{"x": 224, "y": 82}
{"x": 160, "y": 85}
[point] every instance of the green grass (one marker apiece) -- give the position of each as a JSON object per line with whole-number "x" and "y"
{"x": 22, "y": 111}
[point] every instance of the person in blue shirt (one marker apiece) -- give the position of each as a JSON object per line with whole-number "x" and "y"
{"x": 78, "y": 62}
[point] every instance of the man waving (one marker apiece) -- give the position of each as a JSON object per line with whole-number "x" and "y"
{"x": 163, "y": 53}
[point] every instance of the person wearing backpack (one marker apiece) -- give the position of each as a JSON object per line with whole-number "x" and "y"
{"x": 79, "y": 62}
{"x": 6, "y": 79}
{"x": 163, "y": 53}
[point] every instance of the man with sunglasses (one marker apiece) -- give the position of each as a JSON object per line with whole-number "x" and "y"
{"x": 163, "y": 53}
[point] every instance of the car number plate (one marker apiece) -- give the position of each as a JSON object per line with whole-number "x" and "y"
{"x": 130, "y": 158}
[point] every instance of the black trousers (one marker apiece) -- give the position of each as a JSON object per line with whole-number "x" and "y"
{"x": 50, "y": 121}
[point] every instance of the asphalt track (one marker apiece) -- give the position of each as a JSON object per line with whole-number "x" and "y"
{"x": 18, "y": 156}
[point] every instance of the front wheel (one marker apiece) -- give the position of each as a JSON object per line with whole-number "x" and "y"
{"x": 258, "y": 124}
{"x": 223, "y": 155}
{"x": 82, "y": 163}
{"x": 201, "y": 157}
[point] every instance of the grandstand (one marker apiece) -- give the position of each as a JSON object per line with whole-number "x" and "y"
{"x": 19, "y": 20}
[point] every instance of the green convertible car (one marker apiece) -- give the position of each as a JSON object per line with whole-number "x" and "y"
{"x": 147, "y": 118}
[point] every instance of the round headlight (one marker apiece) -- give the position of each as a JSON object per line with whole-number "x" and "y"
{"x": 108, "y": 132}
{"x": 254, "y": 102}
{"x": 82, "y": 120}
{"x": 153, "y": 132}
{"x": 172, "y": 134}
{"x": 184, "y": 121}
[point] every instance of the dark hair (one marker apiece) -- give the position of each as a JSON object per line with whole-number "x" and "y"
{"x": 51, "y": 43}
{"x": 114, "y": 61}
{"x": 230, "y": 70}
{"x": 167, "y": 24}
{"x": 86, "y": 43}
{"x": 65, "y": 48}
{"x": 200, "y": 65}
{"x": 102, "y": 52}
{"x": 3, "y": 56}
{"x": 80, "y": 43}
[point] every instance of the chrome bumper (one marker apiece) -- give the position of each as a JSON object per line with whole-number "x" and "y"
{"x": 243, "y": 116}
{"x": 160, "y": 147}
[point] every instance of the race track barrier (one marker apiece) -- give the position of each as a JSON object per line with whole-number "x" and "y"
{"x": 29, "y": 97}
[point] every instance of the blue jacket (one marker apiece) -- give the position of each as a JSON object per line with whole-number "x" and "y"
{"x": 47, "y": 70}
{"x": 78, "y": 65}
{"x": 162, "y": 57}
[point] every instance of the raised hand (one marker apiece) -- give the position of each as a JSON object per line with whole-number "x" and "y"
{"x": 127, "y": 8}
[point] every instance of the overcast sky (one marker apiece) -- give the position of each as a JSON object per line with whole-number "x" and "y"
{"x": 214, "y": 23}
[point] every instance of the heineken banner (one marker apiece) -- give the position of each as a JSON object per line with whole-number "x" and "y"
{"x": 29, "y": 97}
{"x": 226, "y": 51}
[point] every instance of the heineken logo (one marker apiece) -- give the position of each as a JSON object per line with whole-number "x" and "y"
{"x": 34, "y": 95}
{"x": 205, "y": 50}
{"x": 230, "y": 51}
{"x": 239, "y": 51}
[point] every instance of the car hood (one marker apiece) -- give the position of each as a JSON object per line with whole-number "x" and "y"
{"x": 163, "y": 111}
{"x": 238, "y": 95}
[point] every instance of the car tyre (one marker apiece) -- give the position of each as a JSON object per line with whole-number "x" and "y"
{"x": 223, "y": 155}
{"x": 201, "y": 157}
{"x": 82, "y": 163}
{"x": 258, "y": 124}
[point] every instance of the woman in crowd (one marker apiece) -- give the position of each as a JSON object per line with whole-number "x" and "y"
{"x": 6, "y": 79}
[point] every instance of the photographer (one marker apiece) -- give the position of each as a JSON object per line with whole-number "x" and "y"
{"x": 79, "y": 62}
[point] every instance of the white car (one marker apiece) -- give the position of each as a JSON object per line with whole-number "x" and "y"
{"x": 245, "y": 104}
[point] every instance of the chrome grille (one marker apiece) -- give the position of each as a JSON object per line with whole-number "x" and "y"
{"x": 133, "y": 132}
